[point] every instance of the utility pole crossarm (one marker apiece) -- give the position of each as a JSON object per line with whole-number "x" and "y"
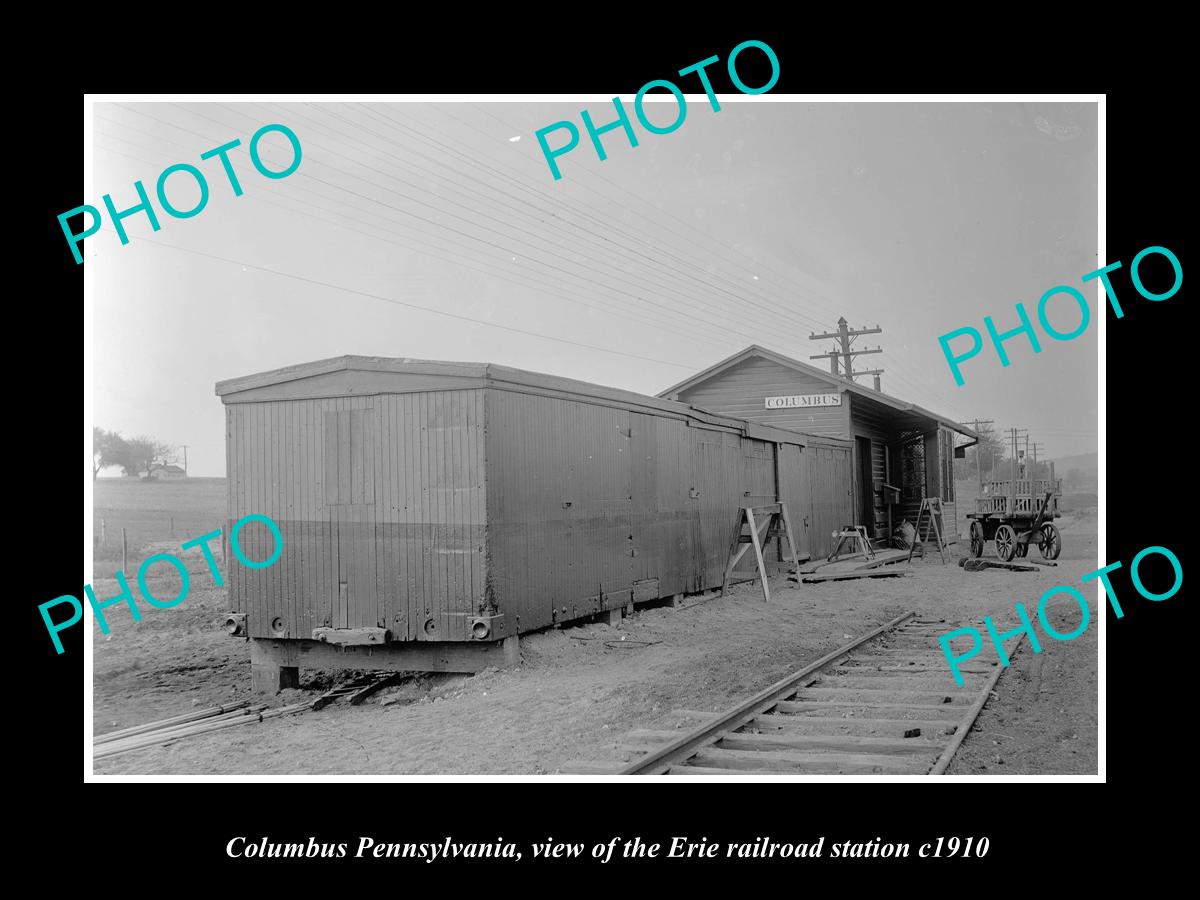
{"x": 843, "y": 336}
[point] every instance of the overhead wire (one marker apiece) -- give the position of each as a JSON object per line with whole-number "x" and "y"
{"x": 555, "y": 292}
{"x": 661, "y": 313}
{"x": 672, "y": 322}
{"x": 474, "y": 223}
{"x": 740, "y": 289}
{"x": 895, "y": 366}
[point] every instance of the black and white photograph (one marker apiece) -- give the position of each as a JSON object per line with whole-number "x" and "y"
{"x": 708, "y": 432}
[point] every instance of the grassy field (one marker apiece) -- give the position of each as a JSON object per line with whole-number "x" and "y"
{"x": 148, "y": 509}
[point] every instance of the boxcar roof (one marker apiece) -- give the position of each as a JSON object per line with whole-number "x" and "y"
{"x": 459, "y": 375}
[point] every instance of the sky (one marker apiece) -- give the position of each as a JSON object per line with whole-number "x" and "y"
{"x": 436, "y": 231}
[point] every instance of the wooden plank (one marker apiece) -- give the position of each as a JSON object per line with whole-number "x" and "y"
{"x": 689, "y": 771}
{"x": 370, "y": 613}
{"x": 369, "y": 455}
{"x": 362, "y": 610}
{"x": 261, "y": 498}
{"x": 357, "y": 456}
{"x": 429, "y": 600}
{"x": 316, "y": 510}
{"x": 237, "y": 502}
{"x": 758, "y": 555}
{"x": 414, "y": 497}
{"x": 440, "y": 512}
{"x": 351, "y": 636}
{"x": 851, "y": 576}
{"x": 791, "y": 537}
{"x": 953, "y": 712}
{"x": 885, "y": 558}
{"x": 836, "y": 743}
{"x": 342, "y": 567}
{"x": 385, "y": 573}
{"x": 344, "y": 449}
{"x": 978, "y": 565}
{"x": 456, "y": 451}
{"x": 478, "y": 496}
{"x": 309, "y": 589}
{"x": 291, "y": 549}
{"x": 901, "y": 683}
{"x": 398, "y": 447}
{"x": 735, "y": 552}
{"x": 815, "y": 762}
{"x": 890, "y": 670}
{"x": 413, "y": 429}
{"x": 410, "y": 656}
{"x": 785, "y": 723}
{"x": 884, "y": 694}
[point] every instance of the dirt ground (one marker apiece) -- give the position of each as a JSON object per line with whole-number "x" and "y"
{"x": 577, "y": 690}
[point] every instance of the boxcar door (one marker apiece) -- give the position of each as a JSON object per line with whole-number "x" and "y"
{"x": 716, "y": 474}
{"x": 615, "y": 472}
{"x": 350, "y": 498}
{"x": 758, "y": 489}
{"x": 794, "y": 490}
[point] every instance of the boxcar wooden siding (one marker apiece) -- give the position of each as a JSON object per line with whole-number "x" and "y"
{"x": 381, "y": 504}
{"x": 412, "y": 507}
{"x": 590, "y": 503}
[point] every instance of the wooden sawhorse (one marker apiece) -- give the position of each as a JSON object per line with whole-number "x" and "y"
{"x": 774, "y": 523}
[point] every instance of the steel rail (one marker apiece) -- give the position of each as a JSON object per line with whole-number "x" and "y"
{"x": 659, "y": 761}
{"x": 960, "y": 733}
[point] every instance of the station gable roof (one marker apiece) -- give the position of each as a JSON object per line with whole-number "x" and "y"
{"x": 835, "y": 381}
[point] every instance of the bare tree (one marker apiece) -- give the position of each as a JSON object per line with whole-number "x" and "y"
{"x": 108, "y": 449}
{"x": 990, "y": 450}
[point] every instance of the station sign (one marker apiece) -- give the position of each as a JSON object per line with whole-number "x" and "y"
{"x": 804, "y": 401}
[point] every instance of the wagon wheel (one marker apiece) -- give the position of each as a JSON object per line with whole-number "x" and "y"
{"x": 976, "y": 539}
{"x": 1022, "y": 550}
{"x": 1006, "y": 542}
{"x": 1051, "y": 542}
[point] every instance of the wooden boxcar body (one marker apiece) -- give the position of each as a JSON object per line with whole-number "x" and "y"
{"x": 452, "y": 502}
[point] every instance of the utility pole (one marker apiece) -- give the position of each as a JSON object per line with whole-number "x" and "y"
{"x": 1035, "y": 446}
{"x": 1014, "y": 433}
{"x": 184, "y": 446}
{"x": 845, "y": 336}
{"x": 978, "y": 456}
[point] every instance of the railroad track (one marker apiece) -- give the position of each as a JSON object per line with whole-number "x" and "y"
{"x": 885, "y": 703}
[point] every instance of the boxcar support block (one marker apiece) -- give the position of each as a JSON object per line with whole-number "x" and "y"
{"x": 275, "y": 665}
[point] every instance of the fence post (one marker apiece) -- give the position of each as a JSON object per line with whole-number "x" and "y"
{"x": 124, "y": 562}
{"x": 172, "y": 528}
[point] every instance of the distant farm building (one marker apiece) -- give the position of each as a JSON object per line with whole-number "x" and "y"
{"x": 169, "y": 473}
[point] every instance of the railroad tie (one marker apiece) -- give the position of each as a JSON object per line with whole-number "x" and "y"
{"x": 885, "y": 703}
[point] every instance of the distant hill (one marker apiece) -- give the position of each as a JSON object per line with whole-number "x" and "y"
{"x": 1088, "y": 464}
